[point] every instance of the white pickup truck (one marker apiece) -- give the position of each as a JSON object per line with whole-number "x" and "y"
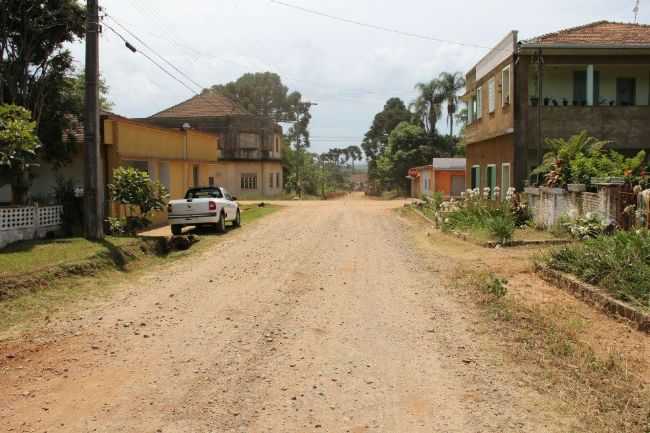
{"x": 210, "y": 206}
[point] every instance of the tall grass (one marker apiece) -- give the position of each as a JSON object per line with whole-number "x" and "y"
{"x": 494, "y": 218}
{"x": 619, "y": 263}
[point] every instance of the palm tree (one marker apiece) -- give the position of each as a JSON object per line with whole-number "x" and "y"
{"x": 451, "y": 85}
{"x": 426, "y": 106}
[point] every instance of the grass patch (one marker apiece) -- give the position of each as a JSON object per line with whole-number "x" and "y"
{"x": 32, "y": 256}
{"x": 619, "y": 263}
{"x": 602, "y": 393}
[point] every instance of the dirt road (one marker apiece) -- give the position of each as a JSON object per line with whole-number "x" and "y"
{"x": 321, "y": 317}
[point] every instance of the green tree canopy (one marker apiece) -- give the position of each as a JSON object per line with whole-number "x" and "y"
{"x": 408, "y": 146}
{"x": 18, "y": 146}
{"x": 135, "y": 188}
{"x": 376, "y": 139}
{"x": 34, "y": 64}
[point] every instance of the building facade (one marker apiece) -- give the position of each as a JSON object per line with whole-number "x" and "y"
{"x": 594, "y": 77}
{"x": 250, "y": 147}
{"x": 178, "y": 159}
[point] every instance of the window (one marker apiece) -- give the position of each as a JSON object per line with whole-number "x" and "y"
{"x": 626, "y": 91}
{"x": 249, "y": 181}
{"x": 470, "y": 109}
{"x": 476, "y": 177}
{"x": 277, "y": 144}
{"x": 505, "y": 86}
{"x": 479, "y": 103}
{"x": 426, "y": 183}
{"x": 491, "y": 95}
{"x": 491, "y": 177}
{"x": 271, "y": 177}
{"x": 505, "y": 179}
{"x": 277, "y": 180}
{"x": 195, "y": 175}
{"x": 211, "y": 181}
{"x": 204, "y": 193}
{"x": 138, "y": 165}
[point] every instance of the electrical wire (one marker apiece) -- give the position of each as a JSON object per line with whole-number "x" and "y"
{"x": 145, "y": 55}
{"x": 136, "y": 37}
{"x": 375, "y": 26}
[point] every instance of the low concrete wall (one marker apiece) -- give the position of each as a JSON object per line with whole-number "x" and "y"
{"x": 27, "y": 223}
{"x": 549, "y": 205}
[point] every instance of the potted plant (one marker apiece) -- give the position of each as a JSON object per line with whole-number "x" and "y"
{"x": 565, "y": 102}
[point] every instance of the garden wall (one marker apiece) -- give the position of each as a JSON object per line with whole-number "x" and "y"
{"x": 549, "y": 206}
{"x": 28, "y": 222}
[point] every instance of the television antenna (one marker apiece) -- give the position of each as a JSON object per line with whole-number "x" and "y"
{"x": 636, "y": 11}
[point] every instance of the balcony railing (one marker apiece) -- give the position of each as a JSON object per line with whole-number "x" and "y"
{"x": 248, "y": 154}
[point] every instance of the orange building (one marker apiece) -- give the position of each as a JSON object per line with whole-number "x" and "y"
{"x": 445, "y": 176}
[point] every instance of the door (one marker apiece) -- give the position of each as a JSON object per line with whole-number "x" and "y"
{"x": 625, "y": 91}
{"x": 457, "y": 185}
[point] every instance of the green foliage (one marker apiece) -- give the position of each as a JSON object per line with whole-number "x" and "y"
{"x": 135, "y": 188}
{"x": 35, "y": 67}
{"x": 581, "y": 158}
{"x": 619, "y": 263}
{"x": 501, "y": 227}
{"x": 498, "y": 219}
{"x": 18, "y": 147}
{"x": 586, "y": 227}
{"x": 495, "y": 286}
{"x": 408, "y": 146}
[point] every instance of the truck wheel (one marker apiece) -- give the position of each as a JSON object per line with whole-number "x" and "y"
{"x": 221, "y": 225}
{"x": 177, "y": 229}
{"x": 237, "y": 221}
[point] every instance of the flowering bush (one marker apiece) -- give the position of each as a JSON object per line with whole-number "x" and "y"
{"x": 476, "y": 212}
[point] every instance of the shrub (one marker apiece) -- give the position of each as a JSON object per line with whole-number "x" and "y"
{"x": 135, "y": 189}
{"x": 587, "y": 227}
{"x": 619, "y": 263}
{"x": 501, "y": 227}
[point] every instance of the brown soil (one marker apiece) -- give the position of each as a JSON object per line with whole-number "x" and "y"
{"x": 326, "y": 316}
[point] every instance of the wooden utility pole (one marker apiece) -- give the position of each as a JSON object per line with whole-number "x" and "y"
{"x": 93, "y": 177}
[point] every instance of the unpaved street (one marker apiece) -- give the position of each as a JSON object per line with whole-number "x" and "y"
{"x": 321, "y": 317}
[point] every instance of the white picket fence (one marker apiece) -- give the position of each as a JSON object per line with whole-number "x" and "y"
{"x": 28, "y": 222}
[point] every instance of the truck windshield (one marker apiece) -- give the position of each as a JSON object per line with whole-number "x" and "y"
{"x": 204, "y": 193}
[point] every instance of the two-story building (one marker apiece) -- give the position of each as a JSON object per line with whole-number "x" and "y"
{"x": 250, "y": 147}
{"x": 594, "y": 77}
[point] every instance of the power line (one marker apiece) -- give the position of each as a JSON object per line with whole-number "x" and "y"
{"x": 155, "y": 52}
{"x": 133, "y": 49}
{"x": 198, "y": 54}
{"x": 376, "y": 27}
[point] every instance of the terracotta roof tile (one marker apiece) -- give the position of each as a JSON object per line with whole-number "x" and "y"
{"x": 208, "y": 104}
{"x": 600, "y": 33}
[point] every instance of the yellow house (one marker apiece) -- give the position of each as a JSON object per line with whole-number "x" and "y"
{"x": 178, "y": 158}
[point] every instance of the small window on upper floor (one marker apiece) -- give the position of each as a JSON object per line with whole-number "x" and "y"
{"x": 505, "y": 86}
{"x": 479, "y": 103}
{"x": 491, "y": 95}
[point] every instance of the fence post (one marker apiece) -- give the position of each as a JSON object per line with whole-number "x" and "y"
{"x": 36, "y": 220}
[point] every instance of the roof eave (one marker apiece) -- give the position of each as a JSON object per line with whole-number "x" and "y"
{"x": 536, "y": 46}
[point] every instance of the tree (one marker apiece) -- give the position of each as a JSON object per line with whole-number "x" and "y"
{"x": 75, "y": 94}
{"x": 34, "y": 64}
{"x": 376, "y": 139}
{"x": 18, "y": 146}
{"x": 408, "y": 146}
{"x": 134, "y": 188}
{"x": 426, "y": 106}
{"x": 450, "y": 86}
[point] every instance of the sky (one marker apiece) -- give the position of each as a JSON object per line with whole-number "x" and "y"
{"x": 349, "y": 70}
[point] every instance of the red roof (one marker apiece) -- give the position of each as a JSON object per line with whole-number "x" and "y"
{"x": 600, "y": 33}
{"x": 207, "y": 104}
